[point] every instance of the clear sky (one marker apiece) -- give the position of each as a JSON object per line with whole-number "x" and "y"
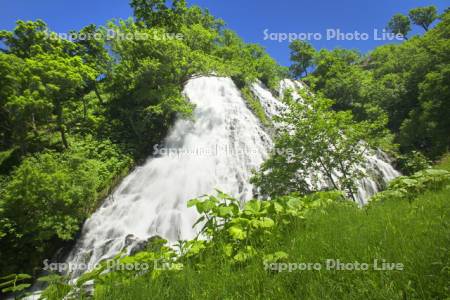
{"x": 248, "y": 17}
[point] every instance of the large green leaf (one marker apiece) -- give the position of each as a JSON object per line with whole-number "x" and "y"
{"x": 237, "y": 232}
{"x": 252, "y": 207}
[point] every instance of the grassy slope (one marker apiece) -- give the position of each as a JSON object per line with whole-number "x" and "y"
{"x": 416, "y": 234}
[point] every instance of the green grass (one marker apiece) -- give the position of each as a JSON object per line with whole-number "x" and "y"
{"x": 415, "y": 234}
{"x": 444, "y": 163}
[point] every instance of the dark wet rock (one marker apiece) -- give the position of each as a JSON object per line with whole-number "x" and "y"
{"x": 153, "y": 243}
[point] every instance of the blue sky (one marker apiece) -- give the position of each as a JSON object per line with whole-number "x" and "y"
{"x": 249, "y": 18}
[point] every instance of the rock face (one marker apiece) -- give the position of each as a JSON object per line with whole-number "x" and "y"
{"x": 218, "y": 149}
{"x": 136, "y": 245}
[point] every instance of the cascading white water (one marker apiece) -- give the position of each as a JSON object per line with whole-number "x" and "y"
{"x": 216, "y": 150}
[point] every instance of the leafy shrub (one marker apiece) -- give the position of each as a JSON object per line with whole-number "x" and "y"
{"x": 48, "y": 197}
{"x": 412, "y": 162}
{"x": 409, "y": 187}
{"x": 236, "y": 233}
{"x": 14, "y": 284}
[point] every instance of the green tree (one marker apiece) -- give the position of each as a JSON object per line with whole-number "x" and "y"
{"x": 150, "y": 12}
{"x": 31, "y": 38}
{"x": 146, "y": 85}
{"x": 398, "y": 80}
{"x": 48, "y": 197}
{"x": 316, "y": 141}
{"x": 399, "y": 24}
{"x": 445, "y": 12}
{"x": 49, "y": 73}
{"x": 92, "y": 50}
{"x": 10, "y": 66}
{"x": 27, "y": 38}
{"x": 61, "y": 80}
{"x": 302, "y": 55}
{"x": 156, "y": 13}
{"x": 339, "y": 76}
{"x": 423, "y": 16}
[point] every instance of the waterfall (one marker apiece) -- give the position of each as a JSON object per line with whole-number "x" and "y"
{"x": 217, "y": 149}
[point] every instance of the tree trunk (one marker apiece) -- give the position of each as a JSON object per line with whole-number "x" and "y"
{"x": 84, "y": 109}
{"x": 344, "y": 173}
{"x": 63, "y": 137}
{"x": 329, "y": 174}
{"x": 33, "y": 126}
{"x": 60, "y": 124}
{"x": 97, "y": 93}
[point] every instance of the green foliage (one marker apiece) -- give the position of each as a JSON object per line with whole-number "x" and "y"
{"x": 30, "y": 38}
{"x": 302, "y": 55}
{"x": 150, "y": 263}
{"x": 339, "y": 76}
{"x": 412, "y": 162}
{"x": 237, "y": 234}
{"x": 146, "y": 85}
{"x": 42, "y": 79}
{"x": 156, "y": 13}
{"x": 423, "y": 16}
{"x": 58, "y": 286}
{"x": 444, "y": 163}
{"x": 5, "y": 155}
{"x": 408, "y": 188}
{"x": 314, "y": 139}
{"x": 407, "y": 83}
{"x": 51, "y": 186}
{"x": 13, "y": 284}
{"x": 255, "y": 106}
{"x": 399, "y": 24}
{"x": 152, "y": 12}
{"x": 50, "y": 194}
